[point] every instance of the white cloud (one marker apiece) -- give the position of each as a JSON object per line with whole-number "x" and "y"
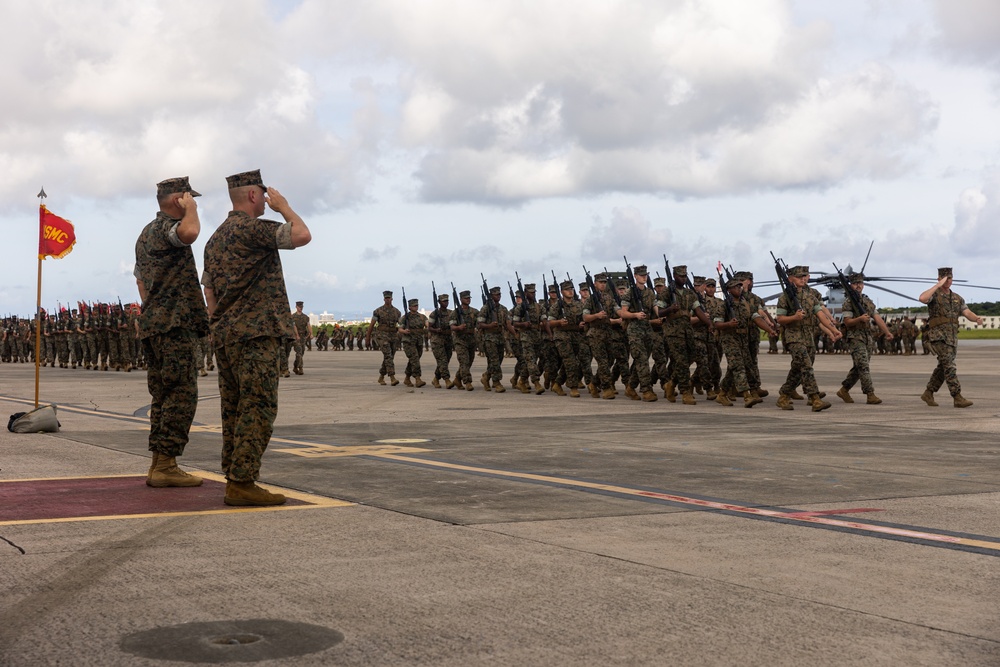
{"x": 977, "y": 218}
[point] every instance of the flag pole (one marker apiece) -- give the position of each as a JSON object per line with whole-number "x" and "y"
{"x": 38, "y": 302}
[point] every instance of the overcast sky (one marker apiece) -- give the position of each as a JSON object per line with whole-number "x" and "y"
{"x": 426, "y": 140}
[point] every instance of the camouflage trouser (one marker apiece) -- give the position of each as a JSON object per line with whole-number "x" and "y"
{"x": 753, "y": 348}
{"x": 680, "y": 355}
{"x": 601, "y": 348}
{"x": 300, "y": 351}
{"x": 714, "y": 361}
{"x": 173, "y": 385}
{"x": 639, "y": 346}
{"x": 493, "y": 348}
{"x": 568, "y": 348}
{"x": 515, "y": 350}
{"x": 531, "y": 341}
{"x": 801, "y": 371}
{"x": 103, "y": 347}
{"x": 285, "y": 348}
{"x": 660, "y": 356}
{"x": 114, "y": 349}
{"x": 861, "y": 370}
{"x": 248, "y": 387}
{"x": 699, "y": 355}
{"x": 442, "y": 348}
{"x": 619, "y": 355}
{"x": 549, "y": 356}
{"x": 48, "y": 350}
{"x": 586, "y": 359}
{"x": 125, "y": 341}
{"x": 735, "y": 348}
{"x": 62, "y": 349}
{"x": 388, "y": 346}
{"x": 465, "y": 352}
{"x": 945, "y": 371}
{"x": 90, "y": 348}
{"x": 413, "y": 348}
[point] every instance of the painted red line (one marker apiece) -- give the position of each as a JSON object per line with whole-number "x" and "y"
{"x": 855, "y": 510}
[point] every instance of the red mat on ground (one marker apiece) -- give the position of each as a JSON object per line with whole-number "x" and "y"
{"x": 35, "y": 500}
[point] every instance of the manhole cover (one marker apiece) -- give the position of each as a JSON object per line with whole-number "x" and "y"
{"x": 231, "y": 641}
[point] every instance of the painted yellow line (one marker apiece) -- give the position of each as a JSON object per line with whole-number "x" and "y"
{"x": 325, "y": 451}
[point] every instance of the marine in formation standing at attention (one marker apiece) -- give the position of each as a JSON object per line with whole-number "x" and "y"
{"x": 248, "y": 309}
{"x": 943, "y": 309}
{"x": 172, "y": 319}
{"x": 303, "y": 330}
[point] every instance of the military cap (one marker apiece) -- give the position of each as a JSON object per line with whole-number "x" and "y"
{"x": 621, "y": 282}
{"x": 246, "y": 178}
{"x": 387, "y": 294}
{"x": 699, "y": 280}
{"x": 443, "y": 297}
{"x": 680, "y": 270}
{"x": 749, "y": 275}
{"x": 710, "y": 282}
{"x": 733, "y": 282}
{"x": 519, "y": 293}
{"x": 553, "y": 289}
{"x": 566, "y": 284}
{"x": 173, "y": 186}
{"x": 659, "y": 281}
{"x": 300, "y": 303}
{"x": 601, "y": 278}
{"x": 584, "y": 286}
{"x": 945, "y": 272}
{"x": 856, "y": 277}
{"x": 464, "y": 294}
{"x": 530, "y": 287}
{"x": 743, "y": 275}
{"x": 640, "y": 270}
{"x": 413, "y": 302}
{"x": 799, "y": 271}
{"x": 495, "y": 290}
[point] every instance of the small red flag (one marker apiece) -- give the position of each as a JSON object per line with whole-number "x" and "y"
{"x": 56, "y": 237}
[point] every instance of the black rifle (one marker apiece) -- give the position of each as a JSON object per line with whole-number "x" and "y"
{"x": 406, "y": 310}
{"x": 856, "y": 302}
{"x": 458, "y": 305}
{"x": 594, "y": 294}
{"x": 690, "y": 286}
{"x": 671, "y": 286}
{"x": 614, "y": 289}
{"x": 633, "y": 287}
{"x": 513, "y": 297}
{"x": 524, "y": 298}
{"x": 562, "y": 308}
{"x": 790, "y": 293}
{"x": 491, "y": 312}
{"x": 437, "y": 307}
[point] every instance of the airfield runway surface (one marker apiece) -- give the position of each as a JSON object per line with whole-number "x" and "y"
{"x": 437, "y": 527}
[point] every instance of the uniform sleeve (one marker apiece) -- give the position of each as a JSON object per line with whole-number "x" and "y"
{"x": 283, "y": 236}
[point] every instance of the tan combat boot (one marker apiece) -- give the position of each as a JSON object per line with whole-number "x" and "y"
{"x": 785, "y": 402}
{"x": 842, "y": 392}
{"x": 649, "y": 396}
{"x": 557, "y": 388}
{"x": 393, "y": 381}
{"x": 928, "y": 398}
{"x": 631, "y": 393}
{"x": 608, "y": 394}
{"x": 407, "y": 382}
{"x": 574, "y": 392}
{"x": 469, "y": 386}
{"x": 381, "y": 380}
{"x": 750, "y": 399}
{"x": 873, "y": 399}
{"x": 817, "y": 403}
{"x": 152, "y": 464}
{"x": 796, "y": 396}
{"x": 722, "y": 399}
{"x": 417, "y": 382}
{"x": 539, "y": 389}
{"x": 485, "y": 381}
{"x": 522, "y": 386}
{"x": 669, "y": 393}
{"x": 961, "y": 402}
{"x": 592, "y": 388}
{"x": 710, "y": 393}
{"x": 688, "y": 398}
{"x": 248, "y": 494}
{"x": 760, "y": 391}
{"x": 166, "y": 473}
{"x": 498, "y": 387}
{"x": 436, "y": 383}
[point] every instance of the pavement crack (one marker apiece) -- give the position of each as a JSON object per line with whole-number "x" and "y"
{"x": 12, "y": 544}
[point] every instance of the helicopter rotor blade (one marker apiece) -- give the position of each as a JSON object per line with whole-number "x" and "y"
{"x": 867, "y": 256}
{"x": 905, "y": 296}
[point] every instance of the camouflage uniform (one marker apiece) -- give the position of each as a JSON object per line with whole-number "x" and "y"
{"x": 530, "y": 336}
{"x": 173, "y": 317}
{"x": 493, "y": 339}
{"x": 678, "y": 333}
{"x": 250, "y": 321}
{"x": 567, "y": 338}
{"x": 734, "y": 340}
{"x": 464, "y": 340}
{"x": 599, "y": 334}
{"x": 303, "y": 327}
{"x": 800, "y": 341}
{"x": 386, "y": 319}
{"x": 859, "y": 342}
{"x": 442, "y": 344}
{"x": 639, "y": 334}
{"x": 943, "y": 311}
{"x": 413, "y": 342}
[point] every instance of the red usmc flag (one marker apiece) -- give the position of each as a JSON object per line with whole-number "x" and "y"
{"x": 55, "y": 235}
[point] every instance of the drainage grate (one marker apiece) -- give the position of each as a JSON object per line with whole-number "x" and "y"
{"x": 231, "y": 641}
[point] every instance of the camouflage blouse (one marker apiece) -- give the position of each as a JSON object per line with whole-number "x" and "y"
{"x": 416, "y": 323}
{"x": 679, "y": 322}
{"x": 863, "y": 330}
{"x": 647, "y": 299}
{"x": 943, "y": 311}
{"x": 167, "y": 270}
{"x": 803, "y": 331}
{"x": 386, "y": 319}
{"x": 243, "y": 269}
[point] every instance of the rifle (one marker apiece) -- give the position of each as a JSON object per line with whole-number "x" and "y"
{"x": 458, "y": 305}
{"x": 690, "y": 286}
{"x": 728, "y": 298}
{"x": 513, "y": 297}
{"x": 614, "y": 289}
{"x": 636, "y": 297}
{"x": 856, "y": 302}
{"x": 437, "y": 307}
{"x": 594, "y": 294}
{"x": 488, "y": 300}
{"x": 671, "y": 286}
{"x": 562, "y": 309}
{"x": 576, "y": 297}
{"x": 786, "y": 286}
{"x": 406, "y": 309}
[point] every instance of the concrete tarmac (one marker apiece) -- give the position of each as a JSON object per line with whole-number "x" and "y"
{"x": 480, "y": 528}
